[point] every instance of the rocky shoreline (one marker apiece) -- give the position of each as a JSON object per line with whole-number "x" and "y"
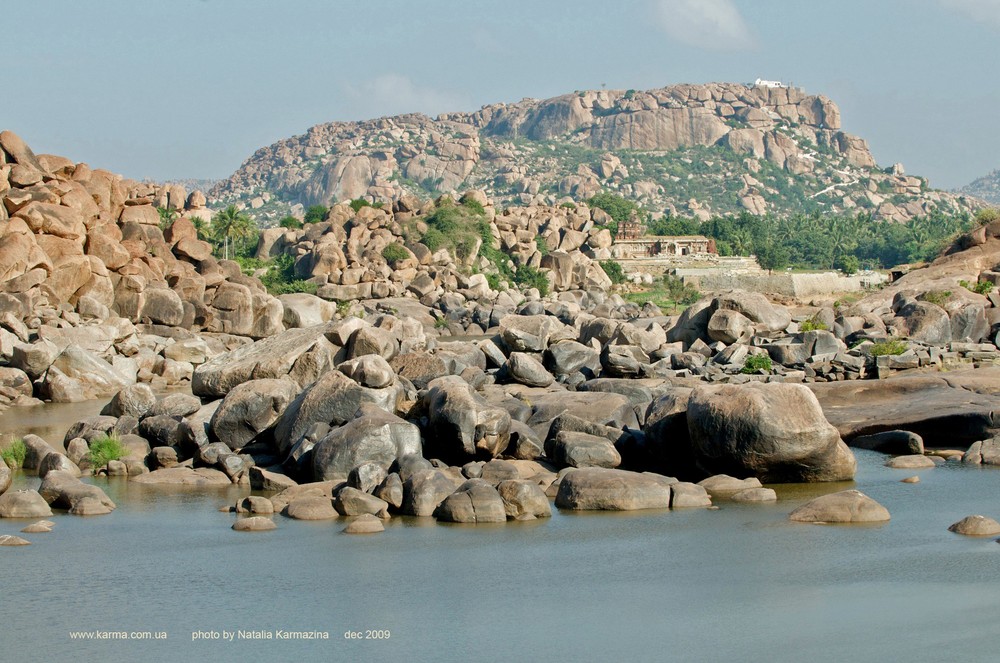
{"x": 432, "y": 394}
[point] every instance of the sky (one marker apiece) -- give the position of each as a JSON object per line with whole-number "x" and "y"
{"x": 174, "y": 89}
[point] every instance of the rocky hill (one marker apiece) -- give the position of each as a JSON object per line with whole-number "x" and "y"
{"x": 688, "y": 150}
{"x": 986, "y": 187}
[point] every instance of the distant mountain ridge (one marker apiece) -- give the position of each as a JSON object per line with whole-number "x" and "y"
{"x": 986, "y": 187}
{"x": 686, "y": 150}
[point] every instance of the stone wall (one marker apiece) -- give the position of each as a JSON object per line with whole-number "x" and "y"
{"x": 789, "y": 285}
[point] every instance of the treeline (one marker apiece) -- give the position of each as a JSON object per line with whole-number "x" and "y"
{"x": 809, "y": 241}
{"x": 815, "y": 241}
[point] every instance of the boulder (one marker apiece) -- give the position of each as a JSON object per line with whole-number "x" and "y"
{"x": 301, "y": 354}
{"x": 23, "y": 504}
{"x": 910, "y": 462}
{"x": 250, "y": 409}
{"x": 524, "y": 500}
{"x": 765, "y": 316}
{"x": 424, "y": 491}
{"x": 390, "y": 491}
{"x": 730, "y": 327}
{"x": 575, "y": 449}
{"x": 311, "y": 508}
{"x": 611, "y": 490}
{"x": 774, "y": 431}
{"x": 847, "y": 506}
{"x": 57, "y": 462}
{"x": 183, "y": 476}
{"x": 684, "y": 494}
{"x": 890, "y": 442}
{"x": 11, "y": 540}
{"x": 254, "y": 524}
{"x": 365, "y": 524}
{"x": 983, "y": 452}
{"x": 976, "y": 526}
{"x": 531, "y": 333}
{"x": 725, "y": 485}
{"x": 77, "y": 375}
{"x": 353, "y": 502}
{"x": 527, "y": 370}
{"x": 461, "y": 425}
{"x": 755, "y": 495}
{"x": 375, "y": 436}
{"x": 334, "y": 399}
{"x": 370, "y": 370}
{"x": 136, "y": 400}
{"x": 5, "y": 477}
{"x": 367, "y": 476}
{"x": 475, "y": 501}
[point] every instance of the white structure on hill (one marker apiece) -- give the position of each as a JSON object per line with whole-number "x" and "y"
{"x": 760, "y": 82}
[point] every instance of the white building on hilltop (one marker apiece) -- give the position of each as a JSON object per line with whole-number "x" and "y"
{"x": 760, "y": 82}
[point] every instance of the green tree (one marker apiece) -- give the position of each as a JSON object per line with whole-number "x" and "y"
{"x": 316, "y": 214}
{"x": 290, "y": 222}
{"x": 232, "y": 225}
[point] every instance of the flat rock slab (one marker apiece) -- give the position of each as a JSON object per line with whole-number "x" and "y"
{"x": 755, "y": 495}
{"x": 943, "y": 408}
{"x": 254, "y": 524}
{"x": 912, "y": 462}
{"x": 847, "y": 506}
{"x": 976, "y": 526}
{"x": 611, "y": 490}
{"x": 184, "y": 476}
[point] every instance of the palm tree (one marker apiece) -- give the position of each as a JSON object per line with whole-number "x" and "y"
{"x": 231, "y": 223}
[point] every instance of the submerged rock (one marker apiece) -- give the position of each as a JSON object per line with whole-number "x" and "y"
{"x": 254, "y": 524}
{"x": 976, "y": 526}
{"x": 366, "y": 524}
{"x": 847, "y": 506}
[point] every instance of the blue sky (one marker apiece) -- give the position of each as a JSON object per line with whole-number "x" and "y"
{"x": 190, "y": 88}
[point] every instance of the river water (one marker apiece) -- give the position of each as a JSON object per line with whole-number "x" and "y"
{"x": 738, "y": 583}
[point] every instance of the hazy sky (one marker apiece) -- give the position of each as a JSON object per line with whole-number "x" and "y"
{"x": 190, "y": 88}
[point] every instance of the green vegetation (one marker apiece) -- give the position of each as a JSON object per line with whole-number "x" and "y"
{"x": 316, "y": 214}
{"x": 670, "y": 292}
{"x": 15, "y": 454}
{"x": 167, "y": 217}
{"x": 290, "y": 222}
{"x": 988, "y": 215}
{"x": 813, "y": 324}
{"x": 343, "y": 309}
{"x": 756, "y": 363}
{"x": 358, "y": 203}
{"x": 395, "y": 252}
{"x": 233, "y": 226}
{"x": 891, "y": 346}
{"x": 980, "y": 287}
{"x": 618, "y": 208}
{"x": 814, "y": 241}
{"x": 441, "y": 323}
{"x": 614, "y": 271}
{"x": 568, "y": 205}
{"x": 936, "y": 297}
{"x": 104, "y": 449}
{"x": 543, "y": 248}
{"x": 280, "y": 279}
{"x": 474, "y": 206}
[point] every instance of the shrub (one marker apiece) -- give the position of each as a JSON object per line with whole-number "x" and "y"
{"x": 104, "y": 449}
{"x": 358, "y": 203}
{"x": 568, "y": 205}
{"x": 980, "y": 287}
{"x": 441, "y": 323}
{"x": 394, "y": 253}
{"x": 891, "y": 346}
{"x": 433, "y": 239}
{"x": 936, "y": 297}
{"x": 614, "y": 271}
{"x": 812, "y": 324}
{"x": 988, "y": 215}
{"x": 529, "y": 277}
{"x": 474, "y": 206}
{"x": 543, "y": 247}
{"x": 756, "y": 363}
{"x": 14, "y": 454}
{"x": 290, "y": 222}
{"x": 316, "y": 214}
{"x": 848, "y": 264}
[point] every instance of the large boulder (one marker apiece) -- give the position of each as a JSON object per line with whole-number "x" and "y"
{"x": 23, "y": 504}
{"x": 136, "y": 400}
{"x": 333, "y": 400}
{"x": 5, "y": 477}
{"x": 612, "y": 490}
{"x": 300, "y": 354}
{"x": 532, "y": 333}
{"x": 774, "y": 431}
{"x": 847, "y": 506}
{"x": 63, "y": 490}
{"x": 424, "y": 490}
{"x": 461, "y": 424}
{"x": 525, "y": 369}
{"x": 77, "y": 375}
{"x": 375, "y": 436}
{"x": 524, "y": 500}
{"x": 251, "y": 408}
{"x": 475, "y": 501}
{"x": 577, "y": 449}
{"x": 765, "y": 316}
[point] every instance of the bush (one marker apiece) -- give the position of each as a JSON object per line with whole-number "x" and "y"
{"x": 316, "y": 214}
{"x": 358, "y": 203}
{"x": 529, "y": 277}
{"x": 104, "y": 449}
{"x": 290, "y": 222}
{"x": 433, "y": 239}
{"x": 848, "y": 264}
{"x": 755, "y": 363}
{"x": 813, "y": 324}
{"x": 936, "y": 297}
{"x": 568, "y": 205}
{"x": 543, "y": 247}
{"x": 980, "y": 287}
{"x": 614, "y": 271}
{"x": 394, "y": 253}
{"x": 14, "y": 454}
{"x": 888, "y": 347}
{"x": 988, "y": 215}
{"x": 474, "y": 206}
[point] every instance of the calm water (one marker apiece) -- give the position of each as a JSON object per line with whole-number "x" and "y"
{"x": 740, "y": 583}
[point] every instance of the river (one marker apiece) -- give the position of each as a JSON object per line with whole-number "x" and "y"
{"x": 737, "y": 583}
